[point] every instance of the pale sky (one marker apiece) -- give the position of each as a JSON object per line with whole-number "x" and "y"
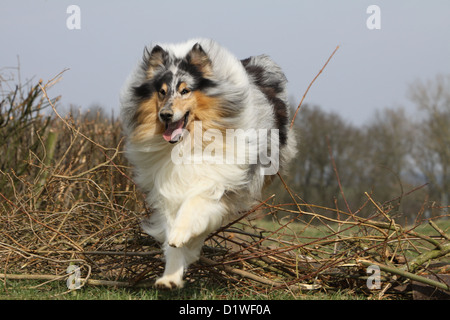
{"x": 371, "y": 70}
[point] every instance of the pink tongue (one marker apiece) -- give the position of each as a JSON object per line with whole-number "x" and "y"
{"x": 173, "y": 130}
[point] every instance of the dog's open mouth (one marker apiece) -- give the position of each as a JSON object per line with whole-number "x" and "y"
{"x": 174, "y": 130}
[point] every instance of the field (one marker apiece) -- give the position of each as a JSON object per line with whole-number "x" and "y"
{"x": 70, "y": 211}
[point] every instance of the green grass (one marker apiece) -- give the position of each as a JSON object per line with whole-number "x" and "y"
{"x": 27, "y": 290}
{"x": 443, "y": 224}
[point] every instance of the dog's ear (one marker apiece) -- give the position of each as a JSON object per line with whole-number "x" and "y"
{"x": 155, "y": 59}
{"x": 198, "y": 57}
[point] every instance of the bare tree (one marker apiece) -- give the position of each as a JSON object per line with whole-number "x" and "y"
{"x": 389, "y": 145}
{"x": 432, "y": 145}
{"x": 312, "y": 175}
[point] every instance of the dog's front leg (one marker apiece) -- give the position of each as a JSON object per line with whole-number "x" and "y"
{"x": 197, "y": 216}
{"x": 174, "y": 269}
{"x": 177, "y": 260}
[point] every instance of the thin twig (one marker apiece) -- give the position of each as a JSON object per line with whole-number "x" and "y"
{"x": 306, "y": 92}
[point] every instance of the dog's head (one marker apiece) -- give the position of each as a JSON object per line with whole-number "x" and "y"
{"x": 175, "y": 93}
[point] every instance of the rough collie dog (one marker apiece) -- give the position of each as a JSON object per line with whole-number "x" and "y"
{"x": 205, "y": 132}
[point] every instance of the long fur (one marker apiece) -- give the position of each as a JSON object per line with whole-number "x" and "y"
{"x": 190, "y": 83}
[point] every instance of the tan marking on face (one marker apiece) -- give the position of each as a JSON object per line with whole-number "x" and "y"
{"x": 182, "y": 86}
{"x": 163, "y": 92}
{"x": 147, "y": 122}
{"x": 207, "y": 110}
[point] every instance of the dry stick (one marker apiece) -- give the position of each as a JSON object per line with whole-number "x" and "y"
{"x": 439, "y": 230}
{"x": 391, "y": 222}
{"x": 89, "y": 170}
{"x": 255, "y": 208}
{"x": 254, "y": 277}
{"x": 282, "y": 250}
{"x": 442, "y": 249}
{"x": 41, "y": 223}
{"x": 66, "y": 216}
{"x": 262, "y": 239}
{"x": 54, "y": 278}
{"x": 238, "y": 272}
{"x": 337, "y": 176}
{"x": 49, "y": 149}
{"x": 378, "y": 208}
{"x": 359, "y": 221}
{"x": 396, "y": 227}
{"x": 102, "y": 253}
{"x": 427, "y": 256}
{"x": 77, "y": 131}
{"x": 289, "y": 191}
{"x": 306, "y": 92}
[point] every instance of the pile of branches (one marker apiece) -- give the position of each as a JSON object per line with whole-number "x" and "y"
{"x": 67, "y": 199}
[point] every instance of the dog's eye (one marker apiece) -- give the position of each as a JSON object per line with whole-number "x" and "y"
{"x": 184, "y": 91}
{"x": 162, "y": 92}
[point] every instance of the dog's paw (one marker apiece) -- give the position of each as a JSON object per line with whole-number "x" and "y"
{"x": 179, "y": 237}
{"x": 177, "y": 241}
{"x": 169, "y": 283}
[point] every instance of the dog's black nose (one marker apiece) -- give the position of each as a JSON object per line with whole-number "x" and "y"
{"x": 166, "y": 115}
